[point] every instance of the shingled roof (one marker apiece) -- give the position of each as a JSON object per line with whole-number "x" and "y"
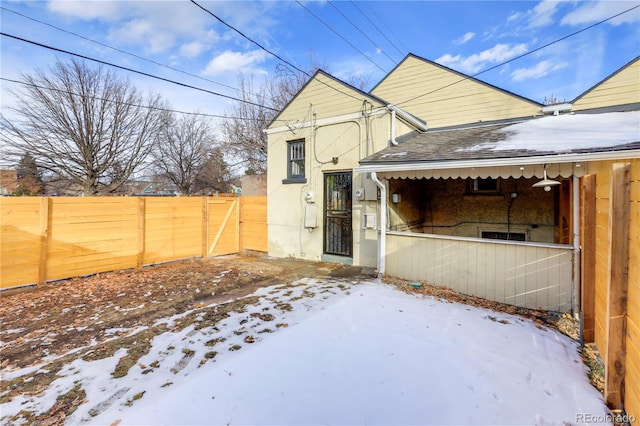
{"x": 571, "y": 134}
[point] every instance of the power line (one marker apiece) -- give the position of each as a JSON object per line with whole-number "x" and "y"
{"x": 340, "y": 35}
{"x": 222, "y": 21}
{"x": 522, "y": 55}
{"x": 135, "y": 71}
{"x": 55, "y": 89}
{"x": 360, "y": 31}
{"x": 385, "y": 25}
{"x": 377, "y": 28}
{"x": 121, "y": 51}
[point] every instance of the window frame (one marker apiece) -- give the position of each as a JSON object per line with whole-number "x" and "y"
{"x": 474, "y": 183}
{"x": 295, "y": 178}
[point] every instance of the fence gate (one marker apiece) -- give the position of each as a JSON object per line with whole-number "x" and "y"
{"x": 223, "y": 230}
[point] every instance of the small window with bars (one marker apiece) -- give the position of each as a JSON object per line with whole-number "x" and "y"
{"x": 295, "y": 162}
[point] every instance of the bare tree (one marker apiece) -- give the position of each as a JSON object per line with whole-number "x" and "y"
{"x": 183, "y": 151}
{"x": 84, "y": 124}
{"x": 244, "y": 131}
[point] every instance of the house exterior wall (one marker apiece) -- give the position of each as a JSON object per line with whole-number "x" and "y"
{"x": 324, "y": 95}
{"x": 447, "y": 207}
{"x": 8, "y": 181}
{"x": 602, "y": 170}
{"x": 287, "y": 207}
{"x": 452, "y": 99}
{"x": 622, "y": 88}
{"x": 254, "y": 185}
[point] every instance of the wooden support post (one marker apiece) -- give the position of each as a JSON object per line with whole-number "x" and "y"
{"x": 45, "y": 221}
{"x": 205, "y": 226}
{"x": 141, "y": 236}
{"x": 617, "y": 285}
{"x": 241, "y": 225}
{"x": 588, "y": 277}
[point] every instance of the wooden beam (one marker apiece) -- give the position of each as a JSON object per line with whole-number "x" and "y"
{"x": 45, "y": 216}
{"x": 617, "y": 285}
{"x": 588, "y": 261}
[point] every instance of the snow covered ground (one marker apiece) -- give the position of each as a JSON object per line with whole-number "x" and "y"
{"x": 341, "y": 353}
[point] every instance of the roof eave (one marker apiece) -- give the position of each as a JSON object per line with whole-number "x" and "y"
{"x": 381, "y": 167}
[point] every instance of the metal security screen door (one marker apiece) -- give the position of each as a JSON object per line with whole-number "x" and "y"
{"x": 338, "y": 236}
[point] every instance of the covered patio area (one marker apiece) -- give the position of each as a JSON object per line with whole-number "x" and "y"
{"x": 494, "y": 210}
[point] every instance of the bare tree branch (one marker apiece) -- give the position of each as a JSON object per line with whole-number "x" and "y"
{"x": 85, "y": 125}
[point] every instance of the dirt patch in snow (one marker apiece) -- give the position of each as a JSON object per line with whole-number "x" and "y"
{"x": 48, "y": 326}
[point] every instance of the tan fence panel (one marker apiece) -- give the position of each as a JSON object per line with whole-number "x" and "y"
{"x": 44, "y": 239}
{"x": 223, "y": 230}
{"x": 253, "y": 221}
{"x": 20, "y": 218}
{"x": 172, "y": 228}
{"x": 90, "y": 235}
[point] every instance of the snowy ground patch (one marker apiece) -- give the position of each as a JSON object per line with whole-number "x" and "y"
{"x": 322, "y": 352}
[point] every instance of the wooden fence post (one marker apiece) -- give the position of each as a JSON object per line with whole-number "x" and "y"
{"x": 241, "y": 225}
{"x": 205, "y": 225}
{"x": 141, "y": 236}
{"x": 588, "y": 277}
{"x": 44, "y": 238}
{"x": 618, "y": 278}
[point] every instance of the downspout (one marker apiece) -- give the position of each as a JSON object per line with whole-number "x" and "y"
{"x": 577, "y": 267}
{"x": 382, "y": 238}
{"x": 394, "y": 142}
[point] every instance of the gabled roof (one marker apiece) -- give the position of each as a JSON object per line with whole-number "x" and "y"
{"x": 609, "y": 77}
{"x": 462, "y": 76}
{"x": 565, "y": 136}
{"x": 338, "y": 91}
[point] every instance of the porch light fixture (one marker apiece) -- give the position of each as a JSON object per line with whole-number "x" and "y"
{"x": 546, "y": 183}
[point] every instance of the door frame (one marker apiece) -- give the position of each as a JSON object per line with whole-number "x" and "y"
{"x": 346, "y": 213}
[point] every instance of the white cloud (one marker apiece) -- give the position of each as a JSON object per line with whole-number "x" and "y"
{"x": 590, "y": 12}
{"x": 540, "y": 70}
{"x": 235, "y": 61}
{"x": 107, "y": 10}
{"x": 193, "y": 49}
{"x": 476, "y": 62}
{"x": 514, "y": 16}
{"x": 465, "y": 38}
{"x": 542, "y": 14}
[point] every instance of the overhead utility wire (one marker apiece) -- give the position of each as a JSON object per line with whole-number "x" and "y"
{"x": 222, "y": 21}
{"x": 361, "y": 32}
{"x": 124, "y": 51}
{"x": 385, "y": 25}
{"x": 521, "y": 56}
{"x": 340, "y": 35}
{"x": 135, "y": 71}
{"x": 125, "y": 103}
{"x": 377, "y": 28}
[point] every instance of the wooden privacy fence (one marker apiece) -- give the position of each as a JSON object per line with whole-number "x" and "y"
{"x": 44, "y": 239}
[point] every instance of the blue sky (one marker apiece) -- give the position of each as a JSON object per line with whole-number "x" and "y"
{"x": 466, "y": 36}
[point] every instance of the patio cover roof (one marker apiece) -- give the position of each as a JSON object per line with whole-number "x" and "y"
{"x": 504, "y": 150}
